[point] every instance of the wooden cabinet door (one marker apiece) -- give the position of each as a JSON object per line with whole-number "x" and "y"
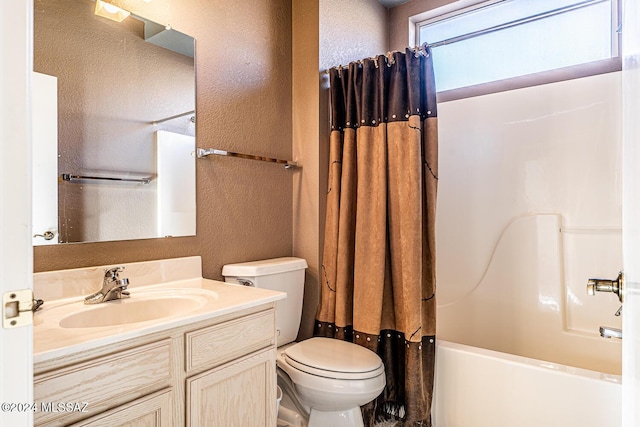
{"x": 239, "y": 394}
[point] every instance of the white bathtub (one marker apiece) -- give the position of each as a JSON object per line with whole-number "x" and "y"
{"x": 476, "y": 387}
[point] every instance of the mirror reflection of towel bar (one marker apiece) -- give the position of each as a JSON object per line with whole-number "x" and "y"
{"x": 75, "y": 178}
{"x": 166, "y": 119}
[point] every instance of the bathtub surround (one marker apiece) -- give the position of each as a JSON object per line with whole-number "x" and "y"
{"x": 531, "y": 319}
{"x": 378, "y": 270}
{"x": 513, "y": 262}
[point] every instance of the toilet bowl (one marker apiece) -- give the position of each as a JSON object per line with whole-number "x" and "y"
{"x": 324, "y": 380}
{"x": 333, "y": 379}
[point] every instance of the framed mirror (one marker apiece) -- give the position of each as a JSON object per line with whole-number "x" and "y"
{"x": 113, "y": 126}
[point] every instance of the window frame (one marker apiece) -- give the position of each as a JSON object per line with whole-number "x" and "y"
{"x": 609, "y": 65}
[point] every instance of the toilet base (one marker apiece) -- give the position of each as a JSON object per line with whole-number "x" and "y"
{"x": 290, "y": 418}
{"x": 348, "y": 418}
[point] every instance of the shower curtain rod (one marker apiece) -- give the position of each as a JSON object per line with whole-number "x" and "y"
{"x": 193, "y": 119}
{"x": 504, "y": 26}
{"x": 204, "y": 152}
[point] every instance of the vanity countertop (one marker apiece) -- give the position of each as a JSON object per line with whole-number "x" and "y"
{"x": 215, "y": 298}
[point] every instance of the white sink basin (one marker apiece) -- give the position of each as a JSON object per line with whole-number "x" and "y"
{"x": 140, "y": 307}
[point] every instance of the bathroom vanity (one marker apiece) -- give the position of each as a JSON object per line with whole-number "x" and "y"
{"x": 181, "y": 350}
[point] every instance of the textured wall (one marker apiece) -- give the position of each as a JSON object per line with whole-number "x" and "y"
{"x": 243, "y": 99}
{"x": 306, "y": 188}
{"x": 351, "y": 30}
{"x": 325, "y": 34}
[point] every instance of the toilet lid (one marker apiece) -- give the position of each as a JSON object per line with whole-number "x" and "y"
{"x": 332, "y": 358}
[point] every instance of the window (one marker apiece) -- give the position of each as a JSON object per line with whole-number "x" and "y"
{"x": 497, "y": 40}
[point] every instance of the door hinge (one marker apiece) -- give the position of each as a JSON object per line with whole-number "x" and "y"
{"x": 17, "y": 308}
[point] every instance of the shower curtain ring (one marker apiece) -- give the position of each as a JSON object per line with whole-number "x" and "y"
{"x": 424, "y": 49}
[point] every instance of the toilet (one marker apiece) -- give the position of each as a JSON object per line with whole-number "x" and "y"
{"x": 324, "y": 380}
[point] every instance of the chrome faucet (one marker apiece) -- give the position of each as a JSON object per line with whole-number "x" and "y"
{"x": 615, "y": 286}
{"x": 113, "y": 287}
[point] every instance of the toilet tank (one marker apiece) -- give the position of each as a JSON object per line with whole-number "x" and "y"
{"x": 278, "y": 274}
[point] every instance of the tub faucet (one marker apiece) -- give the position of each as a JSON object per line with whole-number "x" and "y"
{"x": 615, "y": 286}
{"x": 113, "y": 287}
{"x": 607, "y": 332}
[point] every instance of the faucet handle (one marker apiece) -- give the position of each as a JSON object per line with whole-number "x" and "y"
{"x": 607, "y": 285}
{"x": 112, "y": 273}
{"x": 122, "y": 283}
{"x": 118, "y": 289}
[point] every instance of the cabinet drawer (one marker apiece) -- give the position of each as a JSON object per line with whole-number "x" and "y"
{"x": 217, "y": 344}
{"x": 105, "y": 382}
{"x": 155, "y": 410}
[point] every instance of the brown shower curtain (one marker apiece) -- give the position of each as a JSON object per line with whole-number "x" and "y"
{"x": 378, "y": 267}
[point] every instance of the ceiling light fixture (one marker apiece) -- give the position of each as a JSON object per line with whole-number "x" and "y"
{"x": 110, "y": 11}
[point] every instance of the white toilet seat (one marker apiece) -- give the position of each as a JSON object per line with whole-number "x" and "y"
{"x": 335, "y": 359}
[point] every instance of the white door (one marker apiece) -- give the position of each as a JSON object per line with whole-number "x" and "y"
{"x": 176, "y": 181}
{"x": 44, "y": 140}
{"x": 16, "y": 259}
{"x": 631, "y": 213}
